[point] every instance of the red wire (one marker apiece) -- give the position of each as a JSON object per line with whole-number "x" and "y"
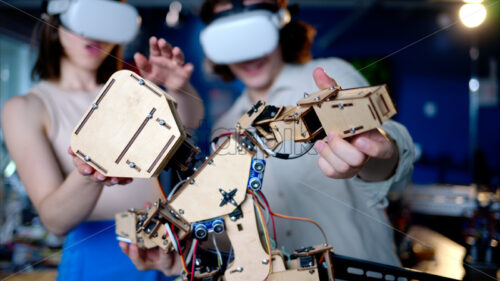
{"x": 226, "y": 134}
{"x": 194, "y": 259}
{"x": 272, "y": 217}
{"x": 180, "y": 251}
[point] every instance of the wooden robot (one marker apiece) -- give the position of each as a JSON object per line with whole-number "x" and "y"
{"x": 133, "y": 130}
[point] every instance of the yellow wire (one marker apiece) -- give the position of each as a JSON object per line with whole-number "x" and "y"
{"x": 264, "y": 227}
{"x": 184, "y": 265}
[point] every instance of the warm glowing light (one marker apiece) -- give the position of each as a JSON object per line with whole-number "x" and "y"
{"x": 472, "y": 15}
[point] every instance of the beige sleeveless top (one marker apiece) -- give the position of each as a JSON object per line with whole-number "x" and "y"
{"x": 65, "y": 110}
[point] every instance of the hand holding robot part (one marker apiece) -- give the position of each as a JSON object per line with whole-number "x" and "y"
{"x": 87, "y": 170}
{"x": 341, "y": 158}
{"x": 156, "y": 259}
{"x": 128, "y": 151}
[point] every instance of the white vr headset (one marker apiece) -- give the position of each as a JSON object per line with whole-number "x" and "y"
{"x": 241, "y": 36}
{"x": 101, "y": 20}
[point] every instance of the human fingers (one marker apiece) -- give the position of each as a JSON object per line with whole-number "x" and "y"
{"x": 374, "y": 144}
{"x": 98, "y": 176}
{"x": 339, "y": 168}
{"x": 327, "y": 169}
{"x": 345, "y": 151}
{"x": 322, "y": 79}
{"x": 109, "y": 181}
{"x": 154, "y": 50}
{"x": 142, "y": 63}
{"x": 188, "y": 68}
{"x": 124, "y": 247}
{"x": 326, "y": 153}
{"x": 165, "y": 48}
{"x": 178, "y": 56}
{"x": 169, "y": 263}
{"x": 82, "y": 166}
{"x": 165, "y": 259}
{"x": 136, "y": 258}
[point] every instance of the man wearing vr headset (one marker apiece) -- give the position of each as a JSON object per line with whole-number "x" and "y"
{"x": 344, "y": 189}
{"x": 79, "y": 49}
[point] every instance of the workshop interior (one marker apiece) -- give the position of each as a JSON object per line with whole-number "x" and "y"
{"x": 439, "y": 60}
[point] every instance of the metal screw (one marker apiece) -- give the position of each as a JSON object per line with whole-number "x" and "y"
{"x": 162, "y": 122}
{"x": 239, "y": 269}
{"x": 273, "y": 114}
{"x": 233, "y": 218}
{"x": 181, "y": 211}
{"x": 326, "y": 245}
{"x": 165, "y": 242}
{"x": 316, "y": 98}
{"x": 332, "y": 88}
{"x": 210, "y": 162}
{"x": 353, "y": 130}
{"x": 141, "y": 82}
{"x": 238, "y": 125}
{"x": 94, "y": 105}
{"x": 341, "y": 105}
{"x": 311, "y": 271}
{"x": 155, "y": 204}
{"x": 303, "y": 135}
{"x": 306, "y": 94}
{"x": 265, "y": 261}
{"x": 195, "y": 169}
{"x": 131, "y": 165}
{"x": 87, "y": 158}
{"x": 192, "y": 181}
{"x": 239, "y": 148}
{"x": 149, "y": 116}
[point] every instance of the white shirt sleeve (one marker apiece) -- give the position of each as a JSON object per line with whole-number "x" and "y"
{"x": 377, "y": 191}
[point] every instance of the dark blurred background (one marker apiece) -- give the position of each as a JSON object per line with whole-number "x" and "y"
{"x": 442, "y": 75}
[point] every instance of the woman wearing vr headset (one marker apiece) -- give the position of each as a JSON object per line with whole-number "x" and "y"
{"x": 70, "y": 197}
{"x": 344, "y": 188}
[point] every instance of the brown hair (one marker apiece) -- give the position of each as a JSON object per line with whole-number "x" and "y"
{"x": 296, "y": 38}
{"x": 50, "y": 52}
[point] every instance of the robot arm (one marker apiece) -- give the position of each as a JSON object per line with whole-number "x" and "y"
{"x": 132, "y": 130}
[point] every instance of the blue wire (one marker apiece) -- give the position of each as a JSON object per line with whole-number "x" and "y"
{"x": 229, "y": 256}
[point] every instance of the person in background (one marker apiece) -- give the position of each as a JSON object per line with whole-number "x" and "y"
{"x": 344, "y": 185}
{"x": 72, "y": 198}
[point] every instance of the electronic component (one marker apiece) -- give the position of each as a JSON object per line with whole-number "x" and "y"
{"x": 256, "y": 174}
{"x": 202, "y": 228}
